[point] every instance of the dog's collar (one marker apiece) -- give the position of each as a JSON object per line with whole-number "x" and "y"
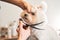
{"x": 32, "y": 25}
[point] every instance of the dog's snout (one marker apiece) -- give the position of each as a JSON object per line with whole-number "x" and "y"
{"x": 25, "y": 15}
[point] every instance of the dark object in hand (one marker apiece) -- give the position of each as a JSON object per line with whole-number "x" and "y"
{"x": 32, "y": 25}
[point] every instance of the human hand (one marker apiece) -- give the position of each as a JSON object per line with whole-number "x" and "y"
{"x": 23, "y": 34}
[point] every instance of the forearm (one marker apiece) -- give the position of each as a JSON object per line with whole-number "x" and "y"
{"x": 22, "y": 4}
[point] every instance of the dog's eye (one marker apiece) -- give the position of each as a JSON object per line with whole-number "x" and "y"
{"x": 33, "y": 13}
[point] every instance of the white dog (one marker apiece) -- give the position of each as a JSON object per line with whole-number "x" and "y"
{"x": 37, "y": 15}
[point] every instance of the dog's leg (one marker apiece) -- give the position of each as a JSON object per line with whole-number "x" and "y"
{"x": 32, "y": 37}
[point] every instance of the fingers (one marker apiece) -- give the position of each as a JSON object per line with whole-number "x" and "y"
{"x": 20, "y": 28}
{"x": 20, "y": 25}
{"x": 17, "y": 29}
{"x": 29, "y": 8}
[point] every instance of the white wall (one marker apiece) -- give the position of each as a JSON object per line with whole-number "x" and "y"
{"x": 53, "y": 14}
{"x": 10, "y": 12}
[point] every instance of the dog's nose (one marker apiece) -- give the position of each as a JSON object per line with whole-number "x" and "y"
{"x": 25, "y": 15}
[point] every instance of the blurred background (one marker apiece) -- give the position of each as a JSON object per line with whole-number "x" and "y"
{"x": 9, "y": 14}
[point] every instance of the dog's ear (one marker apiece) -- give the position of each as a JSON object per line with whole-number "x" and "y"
{"x": 43, "y": 6}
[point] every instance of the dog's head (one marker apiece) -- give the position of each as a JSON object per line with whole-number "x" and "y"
{"x": 37, "y": 14}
